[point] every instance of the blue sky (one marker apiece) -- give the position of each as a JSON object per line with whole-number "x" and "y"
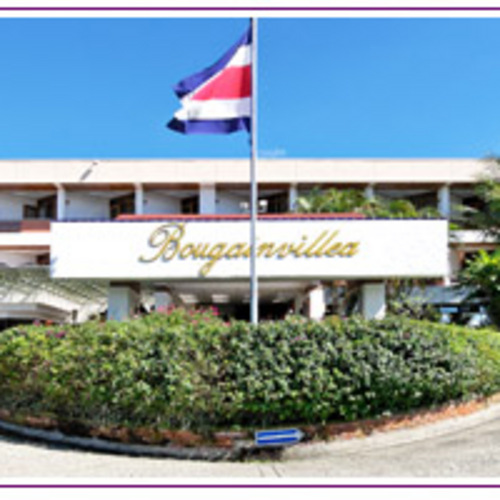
{"x": 101, "y": 88}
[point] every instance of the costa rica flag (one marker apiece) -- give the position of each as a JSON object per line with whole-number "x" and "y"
{"x": 217, "y": 100}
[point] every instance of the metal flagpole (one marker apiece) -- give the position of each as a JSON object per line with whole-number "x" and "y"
{"x": 254, "y": 285}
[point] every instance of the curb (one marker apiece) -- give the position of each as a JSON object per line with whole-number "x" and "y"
{"x": 350, "y": 437}
{"x": 153, "y": 451}
{"x": 402, "y": 436}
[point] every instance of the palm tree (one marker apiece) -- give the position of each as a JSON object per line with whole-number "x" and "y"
{"x": 354, "y": 201}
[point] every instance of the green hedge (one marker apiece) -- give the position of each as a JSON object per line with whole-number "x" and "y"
{"x": 193, "y": 371}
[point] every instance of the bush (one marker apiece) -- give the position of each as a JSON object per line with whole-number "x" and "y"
{"x": 179, "y": 370}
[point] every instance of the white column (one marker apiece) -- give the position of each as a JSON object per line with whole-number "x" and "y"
{"x": 373, "y": 300}
{"x": 444, "y": 200}
{"x": 453, "y": 266}
{"x": 370, "y": 192}
{"x": 122, "y": 302}
{"x": 139, "y": 199}
{"x": 207, "y": 199}
{"x": 61, "y": 202}
{"x": 293, "y": 194}
{"x": 317, "y": 305}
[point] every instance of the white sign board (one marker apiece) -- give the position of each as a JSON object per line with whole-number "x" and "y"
{"x": 215, "y": 249}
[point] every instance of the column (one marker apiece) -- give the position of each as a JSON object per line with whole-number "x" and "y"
{"x": 293, "y": 194}
{"x": 317, "y": 305}
{"x": 454, "y": 265}
{"x": 370, "y": 192}
{"x": 123, "y": 301}
{"x": 207, "y": 199}
{"x": 444, "y": 201}
{"x": 61, "y": 202}
{"x": 139, "y": 199}
{"x": 373, "y": 300}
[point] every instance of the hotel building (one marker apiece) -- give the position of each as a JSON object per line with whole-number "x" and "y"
{"x": 83, "y": 238}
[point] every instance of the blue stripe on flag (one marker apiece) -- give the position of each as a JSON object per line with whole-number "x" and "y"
{"x": 210, "y": 126}
{"x": 192, "y": 82}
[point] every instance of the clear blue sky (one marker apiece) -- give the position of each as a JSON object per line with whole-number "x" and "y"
{"x": 101, "y": 88}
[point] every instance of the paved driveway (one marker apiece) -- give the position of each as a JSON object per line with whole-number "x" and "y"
{"x": 462, "y": 447}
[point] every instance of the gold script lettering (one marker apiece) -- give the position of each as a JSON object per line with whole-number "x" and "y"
{"x": 167, "y": 238}
{"x": 167, "y": 242}
{"x": 216, "y": 253}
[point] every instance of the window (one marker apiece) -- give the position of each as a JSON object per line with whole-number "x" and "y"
{"x": 190, "y": 205}
{"x": 122, "y": 205}
{"x": 276, "y": 203}
{"x": 30, "y": 212}
{"x": 47, "y": 207}
{"x": 43, "y": 259}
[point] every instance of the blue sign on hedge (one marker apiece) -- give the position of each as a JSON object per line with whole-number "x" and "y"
{"x": 281, "y": 437}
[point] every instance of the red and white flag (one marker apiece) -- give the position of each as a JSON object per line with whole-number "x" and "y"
{"x": 217, "y": 100}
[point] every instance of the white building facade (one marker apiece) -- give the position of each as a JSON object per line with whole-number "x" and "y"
{"x": 73, "y": 233}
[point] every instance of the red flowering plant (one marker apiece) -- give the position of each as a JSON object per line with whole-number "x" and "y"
{"x": 193, "y": 316}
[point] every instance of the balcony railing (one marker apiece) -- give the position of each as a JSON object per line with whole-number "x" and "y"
{"x": 18, "y": 226}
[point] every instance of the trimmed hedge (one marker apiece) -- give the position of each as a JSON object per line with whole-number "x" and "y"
{"x": 180, "y": 370}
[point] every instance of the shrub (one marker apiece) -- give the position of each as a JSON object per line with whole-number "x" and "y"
{"x": 183, "y": 370}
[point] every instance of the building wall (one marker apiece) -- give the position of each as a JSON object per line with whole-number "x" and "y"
{"x": 217, "y": 181}
{"x": 231, "y": 171}
{"x": 158, "y": 203}
{"x": 11, "y": 207}
{"x": 84, "y": 206}
{"x": 228, "y": 203}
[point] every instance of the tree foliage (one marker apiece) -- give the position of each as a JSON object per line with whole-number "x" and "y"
{"x": 487, "y": 217}
{"x": 354, "y": 201}
{"x": 482, "y": 274}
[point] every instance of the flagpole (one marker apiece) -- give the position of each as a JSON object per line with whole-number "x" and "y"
{"x": 254, "y": 201}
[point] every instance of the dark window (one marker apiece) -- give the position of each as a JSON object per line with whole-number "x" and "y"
{"x": 474, "y": 202}
{"x": 43, "y": 259}
{"x": 30, "y": 212}
{"x": 47, "y": 207}
{"x": 122, "y": 205}
{"x": 276, "y": 203}
{"x": 190, "y": 205}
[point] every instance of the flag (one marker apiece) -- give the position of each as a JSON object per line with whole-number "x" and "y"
{"x": 217, "y": 100}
